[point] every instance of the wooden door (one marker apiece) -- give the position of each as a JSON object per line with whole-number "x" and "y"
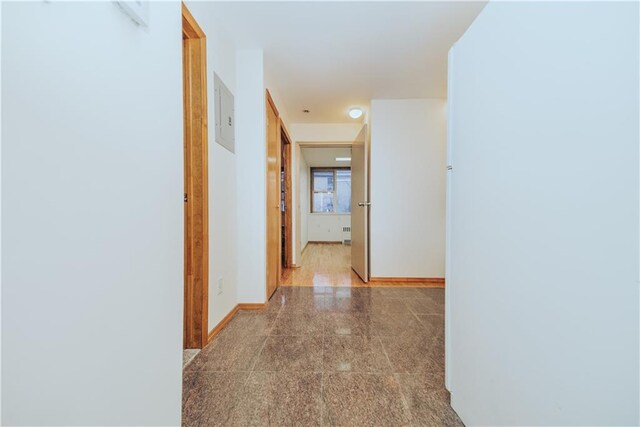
{"x": 273, "y": 198}
{"x": 196, "y": 206}
{"x": 360, "y": 206}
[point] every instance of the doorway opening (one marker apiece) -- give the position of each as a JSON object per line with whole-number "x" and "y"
{"x": 286, "y": 206}
{"x": 324, "y": 218}
{"x": 279, "y": 197}
{"x": 274, "y": 195}
{"x": 196, "y": 211}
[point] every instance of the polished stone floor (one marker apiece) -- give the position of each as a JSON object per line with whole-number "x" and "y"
{"x": 330, "y": 356}
{"x": 188, "y": 355}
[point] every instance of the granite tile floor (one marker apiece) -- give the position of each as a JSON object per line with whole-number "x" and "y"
{"x": 326, "y": 356}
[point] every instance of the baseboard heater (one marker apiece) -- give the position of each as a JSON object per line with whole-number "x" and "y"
{"x": 346, "y": 235}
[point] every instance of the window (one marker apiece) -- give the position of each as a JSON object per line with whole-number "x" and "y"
{"x": 331, "y": 190}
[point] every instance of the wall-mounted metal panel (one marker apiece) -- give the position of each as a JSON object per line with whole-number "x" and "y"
{"x": 224, "y": 111}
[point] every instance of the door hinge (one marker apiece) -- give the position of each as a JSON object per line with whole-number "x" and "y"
{"x": 186, "y": 198}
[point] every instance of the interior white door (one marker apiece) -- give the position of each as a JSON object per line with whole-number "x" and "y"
{"x": 360, "y": 205}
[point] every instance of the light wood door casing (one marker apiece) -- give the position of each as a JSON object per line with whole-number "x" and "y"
{"x": 360, "y": 213}
{"x": 288, "y": 208}
{"x": 274, "y": 218}
{"x": 196, "y": 207}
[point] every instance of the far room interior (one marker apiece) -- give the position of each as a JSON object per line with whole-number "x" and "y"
{"x": 324, "y": 216}
{"x": 327, "y": 176}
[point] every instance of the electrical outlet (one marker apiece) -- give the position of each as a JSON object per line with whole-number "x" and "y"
{"x": 219, "y": 285}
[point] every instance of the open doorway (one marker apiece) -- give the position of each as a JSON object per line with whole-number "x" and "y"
{"x": 325, "y": 217}
{"x": 196, "y": 211}
{"x": 286, "y": 207}
{"x": 279, "y": 249}
{"x": 274, "y": 196}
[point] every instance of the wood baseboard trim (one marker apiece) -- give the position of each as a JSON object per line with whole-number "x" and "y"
{"x": 215, "y": 331}
{"x": 242, "y": 306}
{"x": 336, "y": 242}
{"x": 252, "y": 306}
{"x": 434, "y": 281}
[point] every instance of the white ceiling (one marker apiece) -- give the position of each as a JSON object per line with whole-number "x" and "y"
{"x": 320, "y": 157}
{"x": 329, "y": 56}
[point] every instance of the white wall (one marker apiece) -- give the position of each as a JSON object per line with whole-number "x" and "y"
{"x": 92, "y": 215}
{"x": 0, "y": 218}
{"x": 236, "y": 180}
{"x": 223, "y": 262}
{"x": 276, "y": 95}
{"x": 407, "y": 188}
{"x": 544, "y": 211}
{"x": 325, "y": 132}
{"x": 305, "y": 200}
{"x": 325, "y": 227}
{"x": 251, "y": 175}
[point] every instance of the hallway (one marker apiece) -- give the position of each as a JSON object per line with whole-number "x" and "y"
{"x": 326, "y": 356}
{"x": 159, "y": 172}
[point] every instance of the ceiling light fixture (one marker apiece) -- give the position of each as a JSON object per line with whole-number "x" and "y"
{"x": 355, "y": 112}
{"x": 343, "y": 159}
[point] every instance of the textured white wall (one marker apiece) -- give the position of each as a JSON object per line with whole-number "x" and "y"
{"x": 544, "y": 215}
{"x": 92, "y": 183}
{"x": 304, "y": 202}
{"x": 407, "y": 188}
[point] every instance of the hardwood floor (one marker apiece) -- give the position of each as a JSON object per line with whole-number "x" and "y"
{"x": 329, "y": 264}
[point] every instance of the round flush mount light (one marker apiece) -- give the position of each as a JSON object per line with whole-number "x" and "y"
{"x": 355, "y": 112}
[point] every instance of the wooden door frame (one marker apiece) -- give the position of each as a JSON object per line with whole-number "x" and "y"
{"x": 196, "y": 220}
{"x": 269, "y": 103}
{"x": 288, "y": 233}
